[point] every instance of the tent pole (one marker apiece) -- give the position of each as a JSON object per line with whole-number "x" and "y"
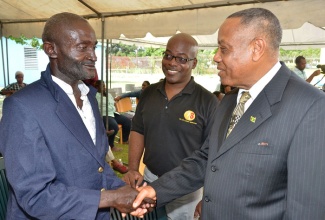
{"x": 3, "y": 61}
{"x": 7, "y": 52}
{"x": 108, "y": 64}
{"x": 102, "y": 73}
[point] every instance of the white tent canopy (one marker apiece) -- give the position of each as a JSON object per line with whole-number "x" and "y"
{"x": 307, "y": 36}
{"x": 136, "y": 18}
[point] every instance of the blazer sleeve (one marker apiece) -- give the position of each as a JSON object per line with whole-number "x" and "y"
{"x": 32, "y": 174}
{"x": 306, "y": 166}
{"x": 184, "y": 179}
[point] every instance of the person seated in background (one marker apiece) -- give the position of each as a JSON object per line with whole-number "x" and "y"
{"x": 114, "y": 118}
{"x": 219, "y": 95}
{"x": 300, "y": 69}
{"x": 135, "y": 94}
{"x": 14, "y": 87}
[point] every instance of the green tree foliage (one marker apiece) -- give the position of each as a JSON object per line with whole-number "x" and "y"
{"x": 310, "y": 54}
{"x": 33, "y": 42}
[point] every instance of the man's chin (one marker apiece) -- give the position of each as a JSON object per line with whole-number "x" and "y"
{"x": 91, "y": 74}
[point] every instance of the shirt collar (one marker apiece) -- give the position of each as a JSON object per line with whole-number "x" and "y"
{"x": 255, "y": 90}
{"x": 189, "y": 88}
{"x": 68, "y": 89}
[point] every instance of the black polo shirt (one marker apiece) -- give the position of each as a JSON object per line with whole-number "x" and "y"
{"x": 174, "y": 128}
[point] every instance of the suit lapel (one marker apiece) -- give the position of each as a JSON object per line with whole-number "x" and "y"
{"x": 70, "y": 117}
{"x": 98, "y": 119}
{"x": 227, "y": 112}
{"x": 259, "y": 111}
{"x": 255, "y": 115}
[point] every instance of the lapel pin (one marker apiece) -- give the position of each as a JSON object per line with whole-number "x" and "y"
{"x": 253, "y": 119}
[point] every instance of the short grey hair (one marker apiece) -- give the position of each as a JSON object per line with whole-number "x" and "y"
{"x": 19, "y": 73}
{"x": 262, "y": 21}
{"x": 55, "y": 24}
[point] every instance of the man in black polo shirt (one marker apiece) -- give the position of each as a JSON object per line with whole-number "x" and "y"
{"x": 172, "y": 119}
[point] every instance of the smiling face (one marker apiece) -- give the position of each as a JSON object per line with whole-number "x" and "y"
{"x": 76, "y": 51}
{"x": 234, "y": 56}
{"x": 180, "y": 45}
{"x": 301, "y": 65}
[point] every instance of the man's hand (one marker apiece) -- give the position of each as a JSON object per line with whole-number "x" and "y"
{"x": 198, "y": 210}
{"x": 117, "y": 98}
{"x": 122, "y": 199}
{"x": 311, "y": 77}
{"x": 146, "y": 192}
{"x": 133, "y": 178}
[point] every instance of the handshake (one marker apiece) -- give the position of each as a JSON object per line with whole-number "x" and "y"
{"x": 132, "y": 198}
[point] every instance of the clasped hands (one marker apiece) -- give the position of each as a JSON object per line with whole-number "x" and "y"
{"x": 132, "y": 198}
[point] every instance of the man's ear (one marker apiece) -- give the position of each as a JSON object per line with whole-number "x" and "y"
{"x": 50, "y": 49}
{"x": 194, "y": 64}
{"x": 259, "y": 46}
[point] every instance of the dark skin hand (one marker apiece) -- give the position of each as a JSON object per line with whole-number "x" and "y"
{"x": 133, "y": 178}
{"x": 122, "y": 199}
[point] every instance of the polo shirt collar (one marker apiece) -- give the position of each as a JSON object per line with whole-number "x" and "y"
{"x": 189, "y": 88}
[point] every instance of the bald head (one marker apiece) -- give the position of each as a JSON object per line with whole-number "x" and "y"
{"x": 187, "y": 40}
{"x": 57, "y": 23}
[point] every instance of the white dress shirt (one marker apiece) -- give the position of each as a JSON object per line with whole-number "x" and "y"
{"x": 86, "y": 113}
{"x": 259, "y": 85}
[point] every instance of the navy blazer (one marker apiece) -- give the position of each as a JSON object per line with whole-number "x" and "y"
{"x": 272, "y": 165}
{"x": 54, "y": 169}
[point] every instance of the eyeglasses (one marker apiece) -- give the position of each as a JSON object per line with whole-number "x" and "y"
{"x": 180, "y": 60}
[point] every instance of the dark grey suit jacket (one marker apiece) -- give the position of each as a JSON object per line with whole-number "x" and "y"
{"x": 272, "y": 165}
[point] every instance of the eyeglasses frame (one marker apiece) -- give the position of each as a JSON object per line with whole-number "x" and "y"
{"x": 177, "y": 57}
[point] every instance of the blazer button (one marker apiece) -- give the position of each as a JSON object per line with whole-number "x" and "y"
{"x": 103, "y": 189}
{"x": 100, "y": 169}
{"x": 214, "y": 168}
{"x": 206, "y": 199}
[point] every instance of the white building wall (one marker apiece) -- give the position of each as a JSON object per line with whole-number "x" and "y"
{"x": 17, "y": 62}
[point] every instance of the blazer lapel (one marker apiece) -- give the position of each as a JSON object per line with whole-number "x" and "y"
{"x": 70, "y": 117}
{"x": 259, "y": 111}
{"x": 98, "y": 119}
{"x": 255, "y": 115}
{"x": 227, "y": 112}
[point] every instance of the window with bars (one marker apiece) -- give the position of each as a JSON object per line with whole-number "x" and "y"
{"x": 31, "y": 61}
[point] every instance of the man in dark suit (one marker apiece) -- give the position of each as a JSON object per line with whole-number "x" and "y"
{"x": 53, "y": 139}
{"x": 272, "y": 164}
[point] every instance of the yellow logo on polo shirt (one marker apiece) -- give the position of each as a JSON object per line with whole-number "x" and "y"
{"x": 189, "y": 115}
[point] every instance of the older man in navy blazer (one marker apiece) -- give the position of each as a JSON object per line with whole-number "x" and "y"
{"x": 53, "y": 139}
{"x": 272, "y": 164}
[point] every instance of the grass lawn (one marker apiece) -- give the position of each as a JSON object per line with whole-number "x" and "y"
{"x": 123, "y": 155}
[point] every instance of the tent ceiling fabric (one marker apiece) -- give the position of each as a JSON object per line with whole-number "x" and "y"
{"x": 135, "y": 18}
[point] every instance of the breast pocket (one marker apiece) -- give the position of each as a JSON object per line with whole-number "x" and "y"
{"x": 263, "y": 148}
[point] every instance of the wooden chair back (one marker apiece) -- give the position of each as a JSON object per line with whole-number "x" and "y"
{"x": 124, "y": 105}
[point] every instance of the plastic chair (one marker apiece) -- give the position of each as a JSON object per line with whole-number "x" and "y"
{"x": 123, "y": 106}
{"x": 3, "y": 190}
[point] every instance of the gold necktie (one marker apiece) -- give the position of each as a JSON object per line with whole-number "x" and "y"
{"x": 238, "y": 111}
